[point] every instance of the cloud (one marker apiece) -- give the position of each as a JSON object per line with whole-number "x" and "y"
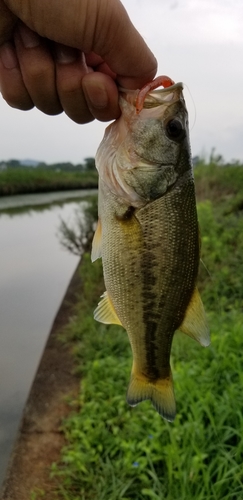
{"x": 188, "y": 21}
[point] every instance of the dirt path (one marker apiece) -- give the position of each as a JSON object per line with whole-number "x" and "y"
{"x": 39, "y": 441}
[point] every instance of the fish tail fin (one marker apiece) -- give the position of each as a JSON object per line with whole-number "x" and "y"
{"x": 160, "y": 392}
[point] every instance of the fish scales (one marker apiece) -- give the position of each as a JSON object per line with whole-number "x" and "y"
{"x": 147, "y": 277}
{"x": 149, "y": 244}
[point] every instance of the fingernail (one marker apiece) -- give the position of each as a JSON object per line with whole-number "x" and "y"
{"x": 65, "y": 55}
{"x": 29, "y": 39}
{"x": 8, "y": 56}
{"x": 96, "y": 95}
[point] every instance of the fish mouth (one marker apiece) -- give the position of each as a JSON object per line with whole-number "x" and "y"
{"x": 162, "y": 96}
{"x": 156, "y": 97}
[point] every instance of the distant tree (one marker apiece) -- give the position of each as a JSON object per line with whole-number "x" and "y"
{"x": 216, "y": 158}
{"x": 79, "y": 166}
{"x": 196, "y": 160}
{"x": 89, "y": 164}
{"x": 64, "y": 167}
{"x": 234, "y": 163}
{"x": 13, "y": 163}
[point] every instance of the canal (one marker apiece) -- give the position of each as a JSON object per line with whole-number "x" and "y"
{"x": 34, "y": 273}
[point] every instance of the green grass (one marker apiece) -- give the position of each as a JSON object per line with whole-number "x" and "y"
{"x": 221, "y": 185}
{"x": 115, "y": 452}
{"x": 39, "y": 180}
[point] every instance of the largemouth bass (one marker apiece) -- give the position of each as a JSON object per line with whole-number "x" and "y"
{"x": 148, "y": 237}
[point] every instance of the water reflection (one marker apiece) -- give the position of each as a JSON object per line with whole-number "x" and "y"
{"x": 34, "y": 274}
{"x": 23, "y": 203}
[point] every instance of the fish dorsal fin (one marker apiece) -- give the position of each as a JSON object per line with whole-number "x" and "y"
{"x": 96, "y": 243}
{"x": 195, "y": 322}
{"x": 105, "y": 312}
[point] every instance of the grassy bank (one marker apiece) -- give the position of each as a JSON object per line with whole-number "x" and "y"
{"x": 221, "y": 185}
{"x": 38, "y": 180}
{"x": 115, "y": 452}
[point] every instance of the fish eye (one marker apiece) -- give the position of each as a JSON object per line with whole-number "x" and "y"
{"x": 174, "y": 130}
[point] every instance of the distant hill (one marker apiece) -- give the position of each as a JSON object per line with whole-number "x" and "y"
{"x": 29, "y": 163}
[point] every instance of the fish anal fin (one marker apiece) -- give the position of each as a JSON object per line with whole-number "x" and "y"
{"x": 105, "y": 312}
{"x": 160, "y": 392}
{"x": 195, "y": 322}
{"x": 96, "y": 243}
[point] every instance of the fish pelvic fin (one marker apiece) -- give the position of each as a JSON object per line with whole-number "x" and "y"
{"x": 105, "y": 312}
{"x": 96, "y": 243}
{"x": 160, "y": 392}
{"x": 195, "y": 322}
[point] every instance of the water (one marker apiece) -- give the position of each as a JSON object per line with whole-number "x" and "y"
{"x": 31, "y": 200}
{"x": 34, "y": 274}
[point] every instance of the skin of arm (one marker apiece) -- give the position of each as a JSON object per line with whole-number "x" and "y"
{"x": 70, "y": 56}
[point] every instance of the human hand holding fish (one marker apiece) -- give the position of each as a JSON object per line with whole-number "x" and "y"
{"x": 147, "y": 236}
{"x": 69, "y": 56}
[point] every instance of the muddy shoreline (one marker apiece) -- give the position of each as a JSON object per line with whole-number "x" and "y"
{"x": 40, "y": 439}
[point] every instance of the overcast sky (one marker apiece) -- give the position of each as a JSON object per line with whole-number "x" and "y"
{"x": 198, "y": 42}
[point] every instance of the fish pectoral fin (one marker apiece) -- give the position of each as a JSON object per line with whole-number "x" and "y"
{"x": 105, "y": 312}
{"x": 195, "y": 322}
{"x": 160, "y": 393}
{"x": 96, "y": 243}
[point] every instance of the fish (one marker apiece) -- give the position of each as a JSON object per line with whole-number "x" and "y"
{"x": 148, "y": 237}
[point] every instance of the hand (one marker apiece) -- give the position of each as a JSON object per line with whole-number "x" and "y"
{"x": 69, "y": 56}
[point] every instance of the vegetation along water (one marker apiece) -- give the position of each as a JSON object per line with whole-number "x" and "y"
{"x": 115, "y": 452}
{"x": 17, "y": 178}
